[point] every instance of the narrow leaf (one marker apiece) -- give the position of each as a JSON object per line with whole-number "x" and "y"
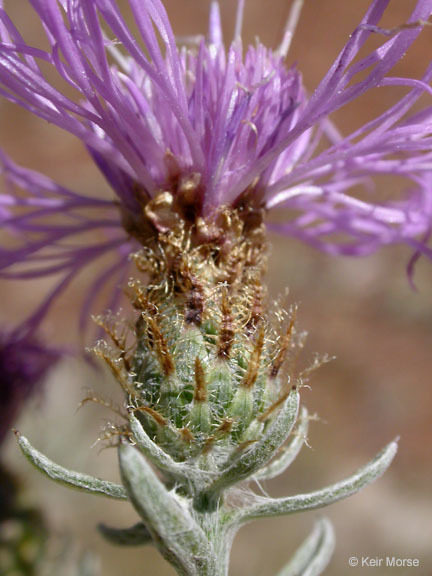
{"x": 137, "y": 535}
{"x": 67, "y": 477}
{"x": 264, "y": 507}
{"x": 314, "y": 555}
{"x": 178, "y": 536}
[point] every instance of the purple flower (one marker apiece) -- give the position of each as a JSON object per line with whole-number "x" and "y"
{"x": 213, "y": 126}
{"x": 24, "y": 363}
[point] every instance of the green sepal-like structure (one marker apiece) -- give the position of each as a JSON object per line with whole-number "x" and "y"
{"x": 245, "y": 464}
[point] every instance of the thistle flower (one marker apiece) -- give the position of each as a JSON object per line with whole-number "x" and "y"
{"x": 197, "y": 144}
{"x": 211, "y": 126}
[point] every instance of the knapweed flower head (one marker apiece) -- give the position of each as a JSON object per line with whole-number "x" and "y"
{"x": 198, "y": 142}
{"x": 186, "y": 131}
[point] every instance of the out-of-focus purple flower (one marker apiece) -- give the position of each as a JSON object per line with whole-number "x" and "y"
{"x": 24, "y": 363}
{"x": 214, "y": 126}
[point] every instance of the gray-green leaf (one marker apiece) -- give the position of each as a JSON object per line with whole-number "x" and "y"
{"x": 136, "y": 535}
{"x": 313, "y": 556}
{"x": 177, "y": 535}
{"x": 67, "y": 477}
{"x": 264, "y": 507}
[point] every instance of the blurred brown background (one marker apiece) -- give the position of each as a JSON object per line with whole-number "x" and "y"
{"x": 361, "y": 311}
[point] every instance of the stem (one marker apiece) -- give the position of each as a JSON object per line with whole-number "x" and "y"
{"x": 220, "y": 533}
